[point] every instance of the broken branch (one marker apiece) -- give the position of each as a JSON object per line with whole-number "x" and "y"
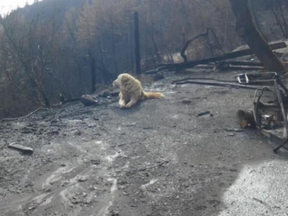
{"x": 182, "y": 53}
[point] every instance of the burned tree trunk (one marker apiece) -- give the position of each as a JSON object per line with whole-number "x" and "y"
{"x": 247, "y": 30}
{"x": 137, "y": 43}
{"x": 92, "y": 71}
{"x": 113, "y": 44}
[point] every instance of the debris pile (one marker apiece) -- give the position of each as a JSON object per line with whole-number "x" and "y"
{"x": 220, "y": 61}
{"x": 269, "y": 117}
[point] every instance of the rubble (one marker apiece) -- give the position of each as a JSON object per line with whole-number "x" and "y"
{"x": 186, "y": 101}
{"x": 191, "y": 64}
{"x": 88, "y": 100}
{"x": 21, "y": 148}
{"x": 245, "y": 118}
{"x": 270, "y": 117}
{"x": 204, "y": 113}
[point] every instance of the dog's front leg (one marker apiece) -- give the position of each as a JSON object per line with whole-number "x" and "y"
{"x": 131, "y": 103}
{"x": 121, "y": 103}
{"x": 121, "y": 100}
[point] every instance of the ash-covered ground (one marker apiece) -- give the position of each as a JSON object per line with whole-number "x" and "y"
{"x": 156, "y": 159}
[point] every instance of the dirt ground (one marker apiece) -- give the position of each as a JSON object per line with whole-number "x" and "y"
{"x": 155, "y": 159}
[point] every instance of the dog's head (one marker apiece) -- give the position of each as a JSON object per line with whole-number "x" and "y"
{"x": 121, "y": 79}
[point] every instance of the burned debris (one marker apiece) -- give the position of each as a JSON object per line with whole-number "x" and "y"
{"x": 88, "y": 100}
{"x": 219, "y": 60}
{"x": 269, "y": 117}
{"x": 257, "y": 78}
{"x": 23, "y": 149}
{"x": 270, "y": 105}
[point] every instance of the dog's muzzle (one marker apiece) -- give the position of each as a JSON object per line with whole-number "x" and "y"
{"x": 115, "y": 84}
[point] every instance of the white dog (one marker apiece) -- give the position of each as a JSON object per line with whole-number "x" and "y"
{"x": 131, "y": 91}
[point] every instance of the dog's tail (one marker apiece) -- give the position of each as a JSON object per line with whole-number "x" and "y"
{"x": 153, "y": 95}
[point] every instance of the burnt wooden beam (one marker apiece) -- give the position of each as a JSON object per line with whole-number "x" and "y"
{"x": 231, "y": 55}
{"x": 244, "y": 63}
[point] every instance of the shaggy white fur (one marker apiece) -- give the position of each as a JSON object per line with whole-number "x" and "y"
{"x": 131, "y": 91}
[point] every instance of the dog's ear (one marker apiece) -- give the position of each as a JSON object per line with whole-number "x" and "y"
{"x": 124, "y": 79}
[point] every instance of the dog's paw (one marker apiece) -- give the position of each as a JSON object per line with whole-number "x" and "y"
{"x": 121, "y": 103}
{"x": 122, "y": 106}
